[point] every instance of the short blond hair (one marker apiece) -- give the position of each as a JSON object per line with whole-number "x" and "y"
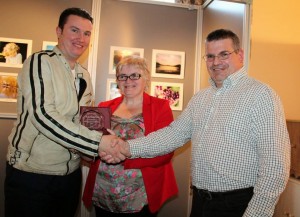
{"x": 10, "y": 49}
{"x": 136, "y": 61}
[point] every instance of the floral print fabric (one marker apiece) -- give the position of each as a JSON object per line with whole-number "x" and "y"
{"x": 116, "y": 189}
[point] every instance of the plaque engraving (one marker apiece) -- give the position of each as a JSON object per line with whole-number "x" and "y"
{"x": 96, "y": 118}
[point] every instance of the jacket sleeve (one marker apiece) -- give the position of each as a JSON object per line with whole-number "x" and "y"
{"x": 40, "y": 96}
{"x": 161, "y": 116}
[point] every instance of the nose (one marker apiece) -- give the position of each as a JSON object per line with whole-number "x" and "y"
{"x": 216, "y": 60}
{"x": 81, "y": 36}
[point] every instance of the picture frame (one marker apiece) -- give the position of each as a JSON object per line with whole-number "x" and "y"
{"x": 112, "y": 90}
{"x": 168, "y": 64}
{"x": 49, "y": 45}
{"x": 8, "y": 115}
{"x": 8, "y": 87}
{"x": 117, "y": 53}
{"x": 13, "y": 52}
{"x": 173, "y": 92}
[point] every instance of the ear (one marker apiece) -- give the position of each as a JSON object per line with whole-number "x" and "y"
{"x": 241, "y": 54}
{"x": 58, "y": 32}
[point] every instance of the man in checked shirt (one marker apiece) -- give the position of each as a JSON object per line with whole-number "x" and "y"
{"x": 240, "y": 144}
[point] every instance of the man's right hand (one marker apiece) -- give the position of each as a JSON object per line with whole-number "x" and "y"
{"x": 110, "y": 150}
{"x": 121, "y": 151}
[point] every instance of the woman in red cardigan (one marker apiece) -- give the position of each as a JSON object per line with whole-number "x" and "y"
{"x": 135, "y": 187}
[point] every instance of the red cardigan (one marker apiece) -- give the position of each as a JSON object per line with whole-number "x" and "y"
{"x": 158, "y": 174}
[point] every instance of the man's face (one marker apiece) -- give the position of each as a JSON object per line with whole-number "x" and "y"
{"x": 219, "y": 69}
{"x": 75, "y": 37}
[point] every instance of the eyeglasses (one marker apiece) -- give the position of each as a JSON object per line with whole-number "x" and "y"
{"x": 133, "y": 76}
{"x": 221, "y": 56}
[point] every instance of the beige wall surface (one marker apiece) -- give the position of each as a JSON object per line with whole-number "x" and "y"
{"x": 275, "y": 50}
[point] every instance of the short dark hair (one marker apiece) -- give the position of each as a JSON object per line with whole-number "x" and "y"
{"x": 220, "y": 34}
{"x": 73, "y": 11}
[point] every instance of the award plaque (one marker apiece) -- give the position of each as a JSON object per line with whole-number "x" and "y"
{"x": 95, "y": 118}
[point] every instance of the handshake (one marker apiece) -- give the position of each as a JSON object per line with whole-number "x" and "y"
{"x": 113, "y": 150}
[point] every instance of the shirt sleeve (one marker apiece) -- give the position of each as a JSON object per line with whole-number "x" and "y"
{"x": 273, "y": 148}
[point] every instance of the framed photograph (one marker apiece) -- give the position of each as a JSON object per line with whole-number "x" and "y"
{"x": 173, "y": 92}
{"x": 117, "y": 53}
{"x": 48, "y": 45}
{"x": 13, "y": 52}
{"x": 168, "y": 64}
{"x": 112, "y": 90}
{"x": 8, "y": 87}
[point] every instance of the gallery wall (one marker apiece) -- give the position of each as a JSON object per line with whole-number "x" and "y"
{"x": 145, "y": 26}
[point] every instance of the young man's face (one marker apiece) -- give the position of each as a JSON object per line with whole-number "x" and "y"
{"x": 75, "y": 37}
{"x": 219, "y": 69}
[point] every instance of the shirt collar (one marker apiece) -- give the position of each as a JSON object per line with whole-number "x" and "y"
{"x": 231, "y": 79}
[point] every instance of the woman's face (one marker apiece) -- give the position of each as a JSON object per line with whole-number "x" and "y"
{"x": 132, "y": 88}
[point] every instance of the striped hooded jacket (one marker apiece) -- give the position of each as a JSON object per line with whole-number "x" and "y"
{"x": 47, "y": 135}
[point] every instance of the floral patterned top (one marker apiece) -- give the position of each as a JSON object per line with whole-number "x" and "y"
{"x": 116, "y": 189}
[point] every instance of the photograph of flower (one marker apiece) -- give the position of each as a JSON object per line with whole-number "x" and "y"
{"x": 173, "y": 92}
{"x": 168, "y": 64}
{"x": 112, "y": 90}
{"x": 117, "y": 53}
{"x": 48, "y": 45}
{"x": 13, "y": 52}
{"x": 8, "y": 87}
